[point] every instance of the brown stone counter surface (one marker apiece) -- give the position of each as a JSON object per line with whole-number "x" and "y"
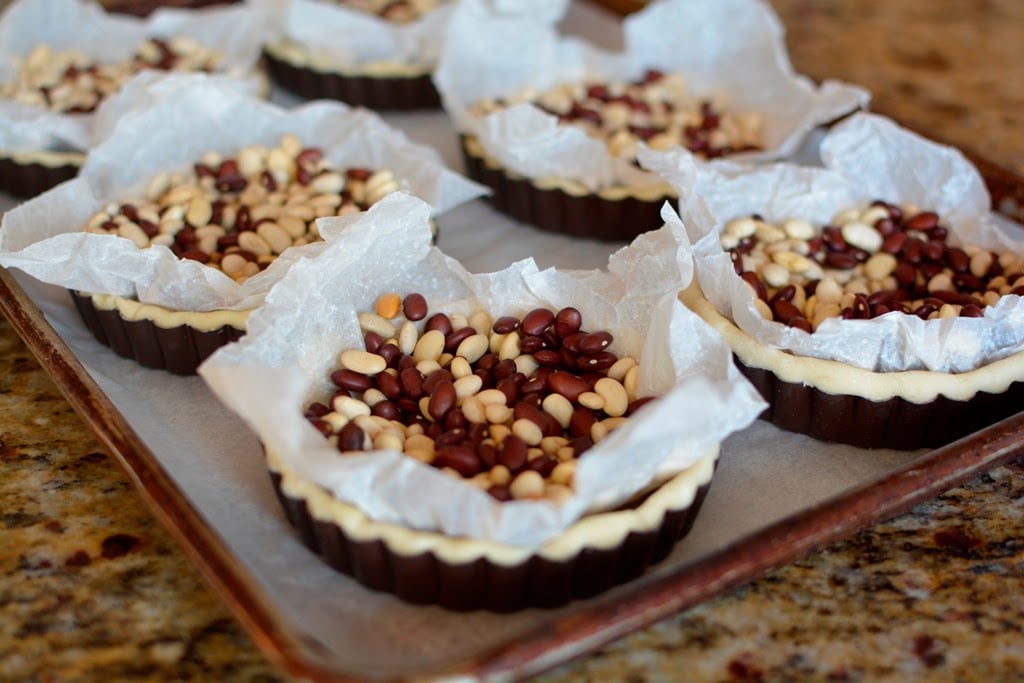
{"x": 92, "y": 588}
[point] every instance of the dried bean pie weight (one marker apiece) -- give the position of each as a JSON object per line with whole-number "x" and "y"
{"x": 869, "y": 261}
{"x": 237, "y": 214}
{"x": 509, "y": 405}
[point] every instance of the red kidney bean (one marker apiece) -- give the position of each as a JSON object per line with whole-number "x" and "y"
{"x": 534, "y": 385}
{"x": 408, "y": 406}
{"x": 351, "y": 437}
{"x": 958, "y": 260}
{"x": 566, "y": 384}
{"x": 968, "y": 282}
{"x": 638, "y": 404}
{"x": 542, "y": 465}
{"x": 440, "y": 322}
{"x": 568, "y": 321}
{"x": 388, "y": 385}
{"x": 885, "y": 226}
{"x": 861, "y": 310}
{"x": 913, "y": 250}
{"x": 488, "y": 454}
{"x": 455, "y": 419}
{"x": 929, "y": 270}
{"x": 503, "y": 369}
{"x": 893, "y": 244}
{"x": 456, "y": 337}
{"x": 751, "y": 278}
{"x": 412, "y": 383}
{"x": 595, "y": 342}
{"x": 933, "y": 250}
{"x": 442, "y": 399}
{"x": 924, "y": 221}
{"x": 581, "y": 421}
{"x": 596, "y": 361}
{"x": 462, "y": 459}
{"x": 581, "y": 444}
{"x": 451, "y": 437}
{"x": 505, "y": 324}
{"x": 390, "y": 353}
{"x": 513, "y": 453}
{"x": 572, "y": 342}
{"x": 351, "y": 380}
{"x": 321, "y": 425}
{"x": 373, "y": 341}
{"x": 317, "y": 409}
{"x": 785, "y": 294}
{"x": 531, "y": 344}
{"x": 924, "y": 310}
{"x": 799, "y": 322}
{"x": 536, "y": 321}
{"x": 551, "y": 339}
{"x": 386, "y": 409}
{"x": 432, "y": 380}
{"x": 784, "y": 311}
{"x": 486, "y": 377}
{"x": 547, "y": 357}
{"x": 840, "y": 260}
{"x": 499, "y": 493}
{"x": 905, "y": 273}
{"x": 834, "y": 238}
{"x": 488, "y": 362}
{"x": 414, "y": 306}
{"x": 404, "y": 362}
{"x": 511, "y": 390}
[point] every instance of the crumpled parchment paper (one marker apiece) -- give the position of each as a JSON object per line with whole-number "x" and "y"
{"x": 165, "y": 123}
{"x": 864, "y": 158}
{"x": 291, "y": 345}
{"x": 235, "y": 32}
{"x": 730, "y": 49}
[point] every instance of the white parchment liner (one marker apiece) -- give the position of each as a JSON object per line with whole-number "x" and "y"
{"x": 235, "y": 32}
{"x": 292, "y": 343}
{"x": 732, "y": 50}
{"x": 866, "y": 157}
{"x": 335, "y": 38}
{"x": 177, "y": 119}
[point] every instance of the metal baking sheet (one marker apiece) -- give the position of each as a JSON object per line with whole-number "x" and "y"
{"x": 775, "y": 497}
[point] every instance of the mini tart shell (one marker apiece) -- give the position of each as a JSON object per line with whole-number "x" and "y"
{"x": 557, "y": 205}
{"x": 598, "y": 552}
{"x": 27, "y": 174}
{"x": 398, "y": 92}
{"x": 156, "y": 337}
{"x": 833, "y": 401}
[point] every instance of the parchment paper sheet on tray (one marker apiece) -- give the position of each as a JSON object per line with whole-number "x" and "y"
{"x": 866, "y": 157}
{"x": 764, "y": 474}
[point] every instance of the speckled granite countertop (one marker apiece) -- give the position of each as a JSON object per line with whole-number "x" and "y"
{"x": 92, "y": 588}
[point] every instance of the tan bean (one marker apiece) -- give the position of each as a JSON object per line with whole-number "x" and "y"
{"x": 590, "y": 399}
{"x": 472, "y": 347}
{"x": 430, "y": 346}
{"x": 616, "y": 400}
{"x": 527, "y": 484}
{"x": 558, "y": 407}
{"x": 250, "y": 241}
{"x": 276, "y": 236}
{"x": 363, "y": 362}
{"x": 349, "y": 406}
{"x": 468, "y": 386}
{"x": 371, "y": 322}
{"x": 408, "y": 335}
{"x": 528, "y": 431}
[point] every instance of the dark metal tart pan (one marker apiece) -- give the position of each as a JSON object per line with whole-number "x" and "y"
{"x": 179, "y": 350}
